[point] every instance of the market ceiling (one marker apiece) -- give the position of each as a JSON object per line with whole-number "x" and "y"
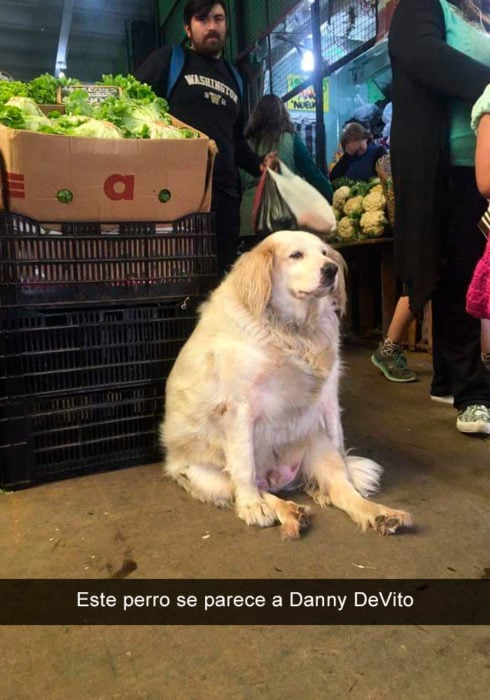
{"x": 89, "y": 35}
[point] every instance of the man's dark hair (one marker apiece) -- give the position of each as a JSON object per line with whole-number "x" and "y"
{"x": 199, "y": 7}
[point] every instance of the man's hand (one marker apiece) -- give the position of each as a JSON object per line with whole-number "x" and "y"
{"x": 270, "y": 161}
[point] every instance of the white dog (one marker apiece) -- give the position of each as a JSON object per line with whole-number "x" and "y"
{"x": 252, "y": 400}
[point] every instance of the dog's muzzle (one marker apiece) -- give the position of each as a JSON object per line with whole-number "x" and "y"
{"x": 329, "y": 273}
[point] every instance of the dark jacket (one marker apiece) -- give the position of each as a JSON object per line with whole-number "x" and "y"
{"x": 427, "y": 74}
{"x": 358, "y": 167}
{"x": 207, "y": 97}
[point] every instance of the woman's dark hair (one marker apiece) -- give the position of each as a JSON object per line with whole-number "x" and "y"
{"x": 354, "y": 131}
{"x": 269, "y": 120}
{"x": 199, "y": 7}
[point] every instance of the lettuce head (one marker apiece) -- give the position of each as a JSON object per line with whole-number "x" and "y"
{"x": 97, "y": 129}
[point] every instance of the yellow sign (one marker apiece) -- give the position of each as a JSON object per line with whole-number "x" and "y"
{"x": 305, "y": 101}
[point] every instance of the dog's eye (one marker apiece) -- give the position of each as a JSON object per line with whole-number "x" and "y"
{"x": 296, "y": 255}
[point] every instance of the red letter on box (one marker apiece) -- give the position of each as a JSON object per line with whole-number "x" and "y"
{"x": 119, "y": 187}
{"x": 15, "y": 185}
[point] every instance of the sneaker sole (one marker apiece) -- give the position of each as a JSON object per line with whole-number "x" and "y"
{"x": 443, "y": 399}
{"x": 388, "y": 375}
{"x": 482, "y": 427}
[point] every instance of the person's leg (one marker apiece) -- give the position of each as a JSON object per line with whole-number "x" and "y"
{"x": 389, "y": 357}
{"x": 456, "y": 333}
{"x": 485, "y": 342}
{"x": 442, "y": 382}
{"x": 441, "y": 388}
{"x": 400, "y": 322}
{"x": 227, "y": 213}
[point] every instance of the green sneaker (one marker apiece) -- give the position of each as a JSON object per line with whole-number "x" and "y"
{"x": 393, "y": 365}
{"x": 474, "y": 419}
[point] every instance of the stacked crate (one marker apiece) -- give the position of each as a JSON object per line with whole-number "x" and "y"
{"x": 92, "y": 317}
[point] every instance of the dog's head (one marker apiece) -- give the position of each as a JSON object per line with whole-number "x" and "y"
{"x": 289, "y": 269}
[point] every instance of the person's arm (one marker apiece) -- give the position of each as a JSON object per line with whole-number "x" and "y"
{"x": 155, "y": 69}
{"x": 245, "y": 157}
{"x": 482, "y": 156}
{"x": 305, "y": 166}
{"x": 340, "y": 167}
{"x": 379, "y": 153}
{"x": 480, "y": 122}
{"x": 417, "y": 41}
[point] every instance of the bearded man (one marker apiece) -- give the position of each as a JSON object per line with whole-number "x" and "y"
{"x": 207, "y": 96}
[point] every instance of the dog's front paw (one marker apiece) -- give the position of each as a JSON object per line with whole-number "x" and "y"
{"x": 256, "y": 513}
{"x": 295, "y": 520}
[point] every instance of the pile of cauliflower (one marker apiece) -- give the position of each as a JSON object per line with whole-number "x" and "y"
{"x": 360, "y": 209}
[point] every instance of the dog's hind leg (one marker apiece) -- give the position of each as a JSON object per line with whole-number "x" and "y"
{"x": 204, "y": 482}
{"x": 330, "y": 482}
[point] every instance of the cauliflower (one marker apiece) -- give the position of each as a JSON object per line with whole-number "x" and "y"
{"x": 337, "y": 214}
{"x": 372, "y": 223}
{"x": 353, "y": 205}
{"x": 376, "y": 188}
{"x": 339, "y": 197}
{"x": 346, "y": 229}
{"x": 374, "y": 201}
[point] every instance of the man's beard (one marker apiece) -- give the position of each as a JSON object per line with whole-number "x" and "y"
{"x": 209, "y": 48}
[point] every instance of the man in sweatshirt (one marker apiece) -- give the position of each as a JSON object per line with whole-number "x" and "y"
{"x": 207, "y": 95}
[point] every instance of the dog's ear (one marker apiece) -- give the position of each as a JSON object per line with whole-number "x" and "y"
{"x": 251, "y": 277}
{"x": 340, "y": 291}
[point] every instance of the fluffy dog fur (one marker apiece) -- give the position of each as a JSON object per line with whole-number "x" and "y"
{"x": 252, "y": 400}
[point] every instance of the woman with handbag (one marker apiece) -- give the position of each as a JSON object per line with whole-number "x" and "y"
{"x": 270, "y": 129}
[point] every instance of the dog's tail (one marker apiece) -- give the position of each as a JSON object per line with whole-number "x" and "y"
{"x": 365, "y": 474}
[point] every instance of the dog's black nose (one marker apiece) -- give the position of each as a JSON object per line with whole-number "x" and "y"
{"x": 329, "y": 270}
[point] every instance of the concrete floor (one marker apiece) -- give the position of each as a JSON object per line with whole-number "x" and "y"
{"x": 95, "y": 526}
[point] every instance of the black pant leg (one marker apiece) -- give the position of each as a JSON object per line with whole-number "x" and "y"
{"x": 456, "y": 334}
{"x": 227, "y": 213}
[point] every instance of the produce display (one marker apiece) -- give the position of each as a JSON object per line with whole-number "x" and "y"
{"x": 360, "y": 209}
{"x": 136, "y": 113}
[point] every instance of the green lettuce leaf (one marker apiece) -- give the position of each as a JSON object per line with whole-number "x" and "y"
{"x": 43, "y": 89}
{"x": 76, "y": 102}
{"x": 26, "y": 104}
{"x": 13, "y": 117}
{"x": 11, "y": 88}
{"x": 130, "y": 86}
{"x": 96, "y": 129}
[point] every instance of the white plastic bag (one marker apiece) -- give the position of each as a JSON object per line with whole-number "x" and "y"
{"x": 311, "y": 209}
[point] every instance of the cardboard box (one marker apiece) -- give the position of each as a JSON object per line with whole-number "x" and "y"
{"x": 105, "y": 179}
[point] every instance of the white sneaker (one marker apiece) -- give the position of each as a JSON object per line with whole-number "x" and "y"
{"x": 443, "y": 399}
{"x": 474, "y": 419}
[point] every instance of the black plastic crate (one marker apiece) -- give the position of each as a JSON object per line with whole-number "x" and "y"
{"x": 103, "y": 262}
{"x": 62, "y": 350}
{"x": 49, "y": 438}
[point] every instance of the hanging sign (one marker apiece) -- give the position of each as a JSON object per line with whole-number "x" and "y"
{"x": 305, "y": 101}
